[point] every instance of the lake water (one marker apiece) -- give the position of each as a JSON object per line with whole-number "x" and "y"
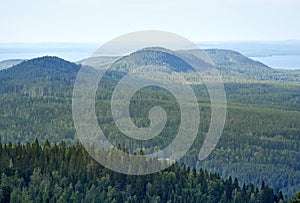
{"x": 68, "y": 51}
{"x": 291, "y": 62}
{"x": 70, "y": 56}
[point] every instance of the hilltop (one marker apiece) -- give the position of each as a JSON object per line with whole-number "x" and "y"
{"x": 231, "y": 64}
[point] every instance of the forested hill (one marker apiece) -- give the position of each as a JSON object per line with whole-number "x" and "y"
{"x": 235, "y": 66}
{"x": 38, "y": 75}
{"x": 260, "y": 140}
{"x": 232, "y": 65}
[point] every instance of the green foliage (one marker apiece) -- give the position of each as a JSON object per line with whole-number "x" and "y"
{"x": 260, "y": 139}
{"x": 60, "y": 173}
{"x": 296, "y": 199}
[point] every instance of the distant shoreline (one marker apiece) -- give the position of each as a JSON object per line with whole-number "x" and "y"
{"x": 277, "y": 54}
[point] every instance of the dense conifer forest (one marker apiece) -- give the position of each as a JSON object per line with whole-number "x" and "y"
{"x": 60, "y": 173}
{"x": 259, "y": 145}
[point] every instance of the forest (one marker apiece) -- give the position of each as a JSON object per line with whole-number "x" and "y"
{"x": 260, "y": 142}
{"x": 60, "y": 173}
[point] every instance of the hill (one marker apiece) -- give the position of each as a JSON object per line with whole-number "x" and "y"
{"x": 30, "y": 77}
{"x": 232, "y": 65}
{"x": 259, "y": 142}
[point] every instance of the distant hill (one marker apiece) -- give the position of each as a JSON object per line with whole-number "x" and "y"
{"x": 28, "y": 76}
{"x": 234, "y": 65}
{"x": 40, "y": 66}
{"x": 231, "y": 64}
{"x": 257, "y": 48}
{"x": 9, "y": 63}
{"x": 152, "y": 57}
{"x": 99, "y": 61}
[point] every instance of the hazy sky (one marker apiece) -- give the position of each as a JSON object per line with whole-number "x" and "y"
{"x": 102, "y": 20}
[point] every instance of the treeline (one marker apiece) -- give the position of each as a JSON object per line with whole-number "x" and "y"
{"x": 60, "y": 173}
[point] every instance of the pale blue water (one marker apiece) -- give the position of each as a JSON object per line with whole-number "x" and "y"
{"x": 68, "y": 51}
{"x": 74, "y": 57}
{"x": 291, "y": 62}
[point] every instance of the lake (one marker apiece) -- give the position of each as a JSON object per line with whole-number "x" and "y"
{"x": 291, "y": 62}
{"x": 69, "y": 51}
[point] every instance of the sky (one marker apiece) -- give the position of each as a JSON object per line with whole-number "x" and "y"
{"x": 102, "y": 20}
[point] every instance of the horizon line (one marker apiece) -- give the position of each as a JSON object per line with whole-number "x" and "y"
{"x": 206, "y": 41}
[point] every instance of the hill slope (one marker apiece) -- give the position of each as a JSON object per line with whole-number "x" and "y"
{"x": 235, "y": 66}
